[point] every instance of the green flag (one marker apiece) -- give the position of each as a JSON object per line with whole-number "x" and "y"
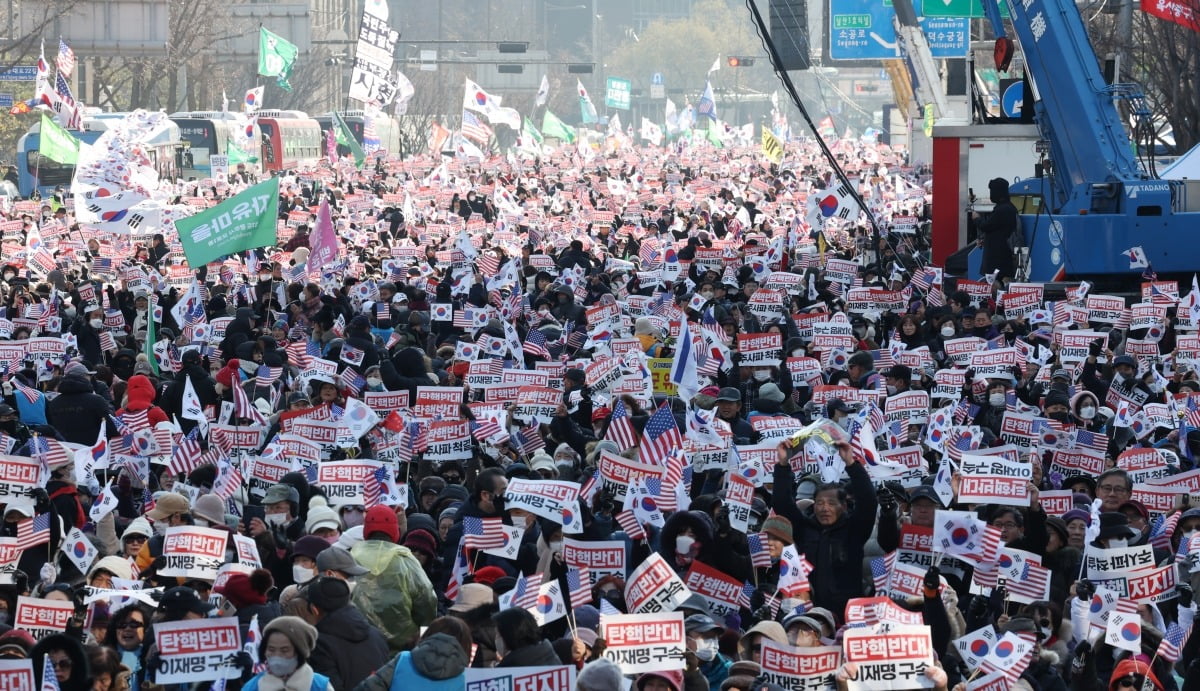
{"x": 236, "y": 155}
{"x": 57, "y": 144}
{"x": 276, "y": 57}
{"x": 529, "y": 130}
{"x": 345, "y": 137}
{"x": 713, "y": 136}
{"x": 151, "y": 337}
{"x": 243, "y": 222}
{"x": 553, "y": 127}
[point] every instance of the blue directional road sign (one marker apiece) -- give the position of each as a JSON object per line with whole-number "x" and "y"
{"x": 862, "y": 30}
{"x": 1011, "y": 100}
{"x": 6, "y": 100}
{"x": 21, "y": 73}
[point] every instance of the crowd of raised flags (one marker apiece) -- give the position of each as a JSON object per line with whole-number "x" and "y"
{"x": 668, "y": 395}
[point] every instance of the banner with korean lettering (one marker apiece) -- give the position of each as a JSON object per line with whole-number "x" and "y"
{"x": 644, "y": 642}
{"x": 344, "y": 481}
{"x": 556, "y": 500}
{"x": 42, "y": 617}
{"x": 197, "y": 650}
{"x": 993, "y": 480}
{"x": 449, "y": 440}
{"x": 17, "y": 675}
{"x": 191, "y": 552}
{"x": 492, "y": 678}
{"x": 654, "y": 587}
{"x": 536, "y": 403}
{"x": 617, "y": 472}
{"x": 245, "y": 221}
{"x": 722, "y": 591}
{"x": 760, "y": 349}
{"x": 1144, "y": 586}
{"x": 893, "y": 660}
{"x": 800, "y": 669}
{"x": 1098, "y": 563}
{"x": 372, "y": 80}
{"x": 602, "y": 557}
{"x": 18, "y": 475}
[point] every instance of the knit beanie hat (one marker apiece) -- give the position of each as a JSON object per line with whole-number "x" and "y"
{"x": 243, "y": 590}
{"x": 381, "y": 519}
{"x": 780, "y": 528}
{"x": 302, "y": 635}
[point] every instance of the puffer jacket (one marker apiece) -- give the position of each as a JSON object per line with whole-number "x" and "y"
{"x": 438, "y": 662}
{"x": 78, "y": 411}
{"x": 395, "y": 595}
{"x": 347, "y": 648}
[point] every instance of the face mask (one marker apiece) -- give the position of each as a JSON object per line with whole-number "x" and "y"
{"x": 843, "y": 422}
{"x": 97, "y": 324}
{"x": 1117, "y": 543}
{"x": 799, "y": 352}
{"x": 160, "y": 528}
{"x": 947, "y": 332}
{"x": 556, "y": 546}
{"x": 69, "y": 313}
{"x": 302, "y": 574}
{"x": 352, "y": 518}
{"x": 281, "y": 666}
{"x": 762, "y": 375}
{"x": 276, "y": 519}
{"x": 1087, "y": 412}
{"x": 891, "y": 390}
{"x": 706, "y": 649}
{"x": 374, "y": 381}
{"x": 706, "y": 296}
{"x": 1061, "y": 417}
{"x": 996, "y": 399}
{"x": 8, "y": 277}
{"x": 683, "y": 544}
{"x": 1188, "y": 535}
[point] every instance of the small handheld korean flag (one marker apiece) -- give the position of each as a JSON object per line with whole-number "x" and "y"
{"x": 79, "y": 549}
{"x": 104, "y": 503}
{"x": 1137, "y": 258}
{"x": 1124, "y": 630}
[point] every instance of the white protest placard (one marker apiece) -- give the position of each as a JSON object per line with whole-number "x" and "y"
{"x": 18, "y": 475}
{"x": 197, "y": 650}
{"x": 739, "y": 496}
{"x": 602, "y": 557}
{"x": 537, "y": 404}
{"x": 644, "y": 642}
{"x": 959, "y": 350}
{"x": 993, "y": 480}
{"x": 800, "y": 668}
{"x": 1105, "y": 308}
{"x": 41, "y": 617}
{"x": 994, "y": 364}
{"x": 805, "y": 371}
{"x": 886, "y": 661}
{"x": 910, "y": 407}
{"x": 247, "y": 551}
{"x": 192, "y": 552}
{"x": 549, "y": 677}
{"x": 722, "y": 592}
{"x": 343, "y": 481}
{"x": 17, "y": 675}
{"x": 1147, "y": 585}
{"x": 835, "y": 333}
{"x": 759, "y": 349}
{"x": 617, "y": 472}
{"x": 434, "y": 402}
{"x": 556, "y": 500}
{"x": 1101, "y": 562}
{"x": 654, "y": 587}
{"x": 449, "y": 440}
{"x": 841, "y": 271}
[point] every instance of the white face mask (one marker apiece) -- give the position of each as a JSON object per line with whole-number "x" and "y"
{"x": 556, "y": 546}
{"x": 352, "y": 517}
{"x": 1087, "y": 412}
{"x": 374, "y": 381}
{"x": 706, "y": 648}
{"x": 947, "y": 332}
{"x": 1188, "y": 535}
{"x": 276, "y": 519}
{"x": 891, "y": 390}
{"x": 706, "y": 295}
{"x": 996, "y": 399}
{"x": 683, "y": 544}
{"x": 1117, "y": 542}
{"x": 799, "y": 352}
{"x": 97, "y": 324}
{"x": 302, "y": 574}
{"x": 762, "y": 375}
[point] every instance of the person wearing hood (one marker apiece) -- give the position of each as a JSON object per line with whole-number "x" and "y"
{"x": 689, "y": 536}
{"x": 78, "y": 411}
{"x": 139, "y": 398}
{"x": 564, "y": 308}
{"x": 411, "y": 371}
{"x": 519, "y": 641}
{"x": 287, "y": 643}
{"x": 769, "y": 402}
{"x": 395, "y": 594}
{"x": 438, "y": 662}
{"x": 995, "y": 231}
{"x": 68, "y": 659}
{"x": 202, "y": 382}
{"x": 241, "y": 329}
{"x": 30, "y": 412}
{"x": 348, "y": 648}
{"x": 830, "y": 533}
{"x": 87, "y": 328}
{"x": 358, "y": 336}
{"x": 1085, "y": 411}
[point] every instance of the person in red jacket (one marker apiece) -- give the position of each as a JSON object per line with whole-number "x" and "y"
{"x": 139, "y": 397}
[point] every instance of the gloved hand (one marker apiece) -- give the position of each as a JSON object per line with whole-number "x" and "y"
{"x": 48, "y": 574}
{"x": 887, "y": 500}
{"x": 1084, "y": 589}
{"x": 1095, "y": 347}
{"x": 970, "y": 375}
{"x": 933, "y": 578}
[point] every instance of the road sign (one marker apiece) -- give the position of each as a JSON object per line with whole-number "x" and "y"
{"x": 1012, "y": 97}
{"x": 21, "y": 73}
{"x": 618, "y": 93}
{"x": 957, "y": 8}
{"x": 656, "y": 78}
{"x": 6, "y": 100}
{"x": 862, "y": 30}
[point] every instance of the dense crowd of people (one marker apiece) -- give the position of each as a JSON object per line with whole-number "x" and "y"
{"x": 682, "y": 304}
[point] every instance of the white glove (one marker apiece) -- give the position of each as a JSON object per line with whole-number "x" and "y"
{"x": 49, "y": 574}
{"x": 8, "y": 388}
{"x": 263, "y": 406}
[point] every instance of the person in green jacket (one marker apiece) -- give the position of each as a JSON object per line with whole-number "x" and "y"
{"x": 395, "y": 594}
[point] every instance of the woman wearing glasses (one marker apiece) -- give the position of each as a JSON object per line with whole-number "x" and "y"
{"x": 68, "y": 659}
{"x": 127, "y": 635}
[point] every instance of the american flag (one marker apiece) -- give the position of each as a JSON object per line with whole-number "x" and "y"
{"x": 1192, "y": 413}
{"x": 631, "y": 525}
{"x": 529, "y": 439}
{"x": 1033, "y": 582}
{"x": 620, "y": 427}
{"x": 458, "y": 573}
{"x": 648, "y": 252}
{"x": 965, "y": 410}
{"x": 661, "y": 436}
{"x": 881, "y": 570}
{"x": 65, "y": 60}
{"x": 668, "y": 501}
{"x": 243, "y": 408}
{"x": 188, "y": 455}
{"x": 28, "y": 393}
{"x": 745, "y": 594}
{"x": 267, "y": 376}
{"x": 535, "y": 344}
{"x": 525, "y": 593}
{"x": 488, "y": 264}
{"x": 1096, "y": 441}
{"x": 301, "y": 353}
{"x": 352, "y": 381}
{"x": 759, "y": 556}
{"x": 1160, "y": 533}
{"x": 73, "y": 114}
{"x": 590, "y": 487}
{"x": 474, "y": 128}
{"x": 32, "y": 532}
{"x": 489, "y": 428}
{"x": 936, "y": 298}
{"x": 148, "y": 502}
{"x": 991, "y": 545}
{"x": 483, "y": 533}
{"x": 579, "y": 583}
{"x": 1173, "y": 641}
{"x": 373, "y": 487}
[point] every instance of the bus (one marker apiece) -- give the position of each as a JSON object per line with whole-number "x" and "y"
{"x": 210, "y": 133}
{"x": 37, "y": 173}
{"x": 387, "y": 130}
{"x": 290, "y": 140}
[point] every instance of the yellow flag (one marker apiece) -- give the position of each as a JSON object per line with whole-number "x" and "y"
{"x": 772, "y": 149}
{"x": 928, "y": 120}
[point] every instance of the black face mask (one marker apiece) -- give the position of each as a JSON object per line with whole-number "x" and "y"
{"x": 1061, "y": 417}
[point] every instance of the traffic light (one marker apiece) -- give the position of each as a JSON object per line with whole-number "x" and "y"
{"x": 739, "y": 61}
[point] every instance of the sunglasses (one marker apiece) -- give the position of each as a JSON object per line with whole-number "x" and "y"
{"x": 1134, "y": 682}
{"x": 64, "y": 663}
{"x": 132, "y": 625}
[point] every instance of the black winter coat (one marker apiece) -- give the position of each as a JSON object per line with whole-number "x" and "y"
{"x": 77, "y": 412}
{"x": 348, "y": 648}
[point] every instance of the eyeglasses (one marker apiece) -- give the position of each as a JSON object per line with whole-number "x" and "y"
{"x": 1114, "y": 489}
{"x": 62, "y": 663}
{"x": 1131, "y": 682}
{"x": 1004, "y": 524}
{"x": 132, "y": 625}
